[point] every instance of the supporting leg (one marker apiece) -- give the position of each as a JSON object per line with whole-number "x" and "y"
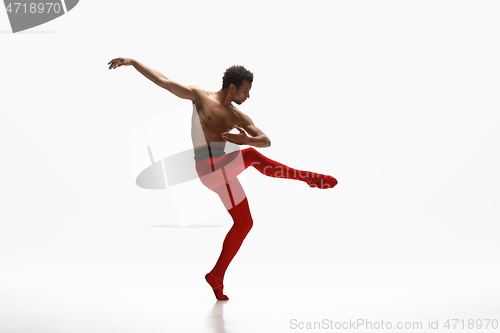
{"x": 242, "y": 224}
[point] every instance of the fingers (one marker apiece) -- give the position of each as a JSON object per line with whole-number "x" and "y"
{"x": 233, "y": 138}
{"x": 239, "y": 129}
{"x": 117, "y": 62}
{"x": 229, "y": 136}
{"x": 113, "y": 64}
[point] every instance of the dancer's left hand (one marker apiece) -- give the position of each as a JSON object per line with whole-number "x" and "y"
{"x": 239, "y": 139}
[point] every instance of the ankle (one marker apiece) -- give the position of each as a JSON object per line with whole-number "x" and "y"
{"x": 216, "y": 276}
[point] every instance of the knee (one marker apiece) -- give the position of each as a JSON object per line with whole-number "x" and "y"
{"x": 247, "y": 226}
{"x": 251, "y": 157}
{"x": 250, "y": 151}
{"x": 244, "y": 224}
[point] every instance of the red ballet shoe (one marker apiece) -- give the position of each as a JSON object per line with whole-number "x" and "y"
{"x": 216, "y": 286}
{"x": 322, "y": 181}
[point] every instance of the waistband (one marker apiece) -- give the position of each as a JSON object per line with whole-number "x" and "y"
{"x": 203, "y": 153}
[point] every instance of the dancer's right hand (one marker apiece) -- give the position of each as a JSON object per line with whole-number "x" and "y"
{"x": 117, "y": 62}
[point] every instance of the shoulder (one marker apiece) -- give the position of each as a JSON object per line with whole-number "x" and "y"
{"x": 200, "y": 95}
{"x": 197, "y": 90}
{"x": 243, "y": 118}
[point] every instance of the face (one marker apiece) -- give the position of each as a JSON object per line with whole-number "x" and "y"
{"x": 242, "y": 93}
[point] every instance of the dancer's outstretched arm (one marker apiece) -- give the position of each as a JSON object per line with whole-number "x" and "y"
{"x": 179, "y": 90}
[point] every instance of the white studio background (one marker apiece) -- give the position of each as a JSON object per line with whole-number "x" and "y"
{"x": 396, "y": 99}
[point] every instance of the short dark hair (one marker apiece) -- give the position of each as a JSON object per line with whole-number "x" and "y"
{"x": 236, "y": 75}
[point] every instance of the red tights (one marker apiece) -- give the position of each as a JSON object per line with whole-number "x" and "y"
{"x": 219, "y": 175}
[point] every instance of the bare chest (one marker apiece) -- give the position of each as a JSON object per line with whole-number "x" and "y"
{"x": 218, "y": 120}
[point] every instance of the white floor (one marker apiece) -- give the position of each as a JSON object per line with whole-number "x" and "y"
{"x": 267, "y": 294}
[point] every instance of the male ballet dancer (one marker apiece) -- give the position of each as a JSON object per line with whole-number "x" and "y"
{"x": 214, "y": 116}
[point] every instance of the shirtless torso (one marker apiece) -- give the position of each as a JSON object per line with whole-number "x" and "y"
{"x": 218, "y": 115}
{"x": 216, "y": 118}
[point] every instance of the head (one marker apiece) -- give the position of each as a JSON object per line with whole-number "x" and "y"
{"x": 238, "y": 81}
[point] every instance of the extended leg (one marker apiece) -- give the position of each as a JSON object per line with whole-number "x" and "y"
{"x": 215, "y": 172}
{"x": 271, "y": 168}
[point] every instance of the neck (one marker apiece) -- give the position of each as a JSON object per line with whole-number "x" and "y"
{"x": 223, "y": 97}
